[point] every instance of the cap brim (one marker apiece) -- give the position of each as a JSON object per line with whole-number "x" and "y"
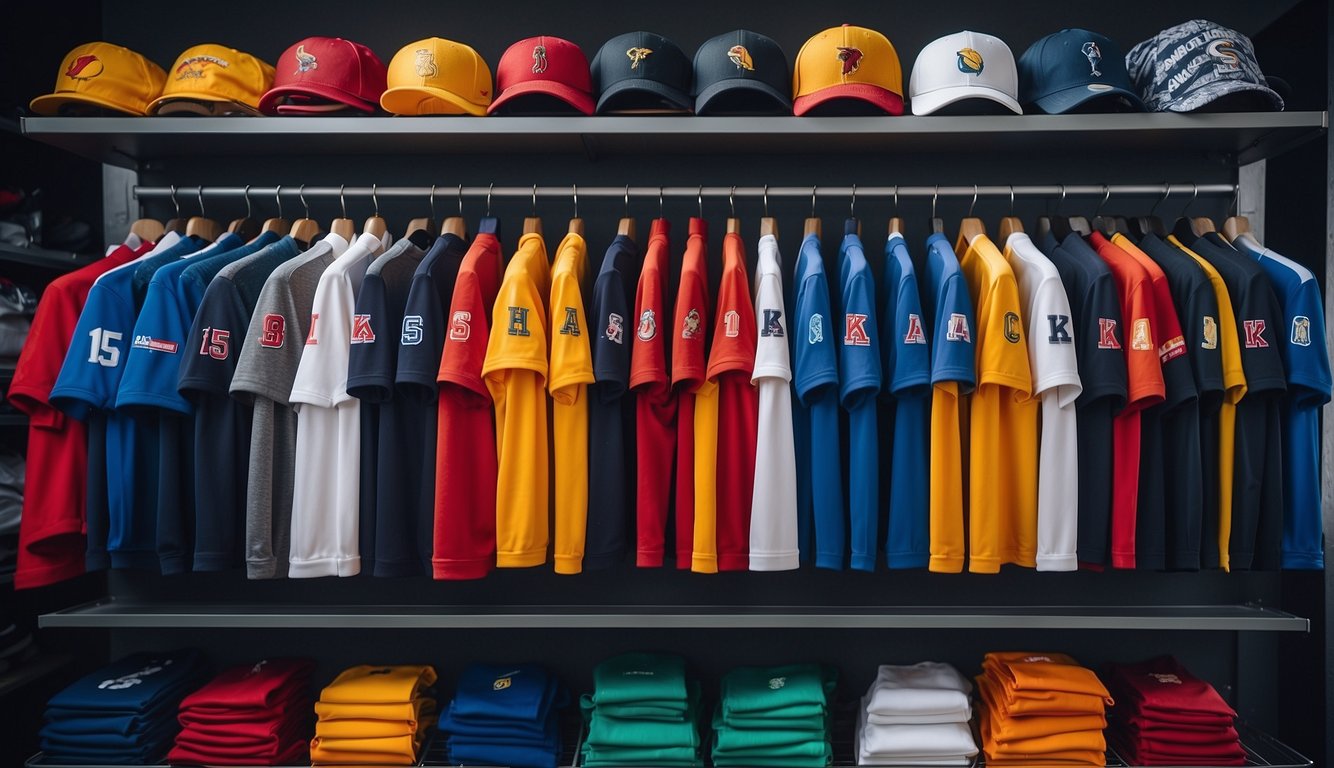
{"x": 408, "y": 100}
{"x": 883, "y": 98}
{"x": 1075, "y": 96}
{"x": 927, "y": 103}
{"x": 198, "y": 104}
{"x": 1227, "y": 88}
{"x": 268, "y": 104}
{"x": 675, "y": 96}
{"x": 713, "y": 98}
{"x": 51, "y": 103}
{"x": 574, "y": 97}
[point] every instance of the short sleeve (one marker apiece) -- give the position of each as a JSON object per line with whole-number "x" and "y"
{"x": 571, "y": 356}
{"x": 91, "y": 373}
{"x": 771, "y": 348}
{"x": 321, "y": 376}
{"x": 216, "y": 341}
{"x": 912, "y": 358}
{"x": 859, "y": 353}
{"x": 1051, "y": 343}
{"x": 464, "y": 352}
{"x": 616, "y": 331}
{"x": 815, "y": 360}
{"x": 954, "y": 357}
{"x": 1004, "y": 353}
{"x": 370, "y": 357}
{"x": 1307, "y": 356}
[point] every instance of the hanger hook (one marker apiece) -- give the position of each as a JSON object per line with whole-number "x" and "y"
{"x": 1195, "y": 193}
{"x": 660, "y": 214}
{"x": 1106, "y": 195}
{"x": 489, "y": 187}
{"x": 731, "y": 201}
{"x": 896, "y": 198}
{"x": 1061, "y": 203}
{"x": 301, "y": 193}
{"x": 375, "y": 199}
{"x": 1011, "y": 199}
{"x": 974, "y": 203}
{"x": 534, "y": 201}
{"x": 248, "y": 210}
{"x": 813, "y": 202}
{"x": 175, "y": 202}
{"x": 278, "y": 198}
{"x": 199, "y": 192}
{"x": 574, "y": 192}
{"x": 460, "y": 200}
{"x": 1235, "y": 207}
{"x": 699, "y": 198}
{"x": 627, "y": 201}
{"x": 766, "y": 201}
{"x": 1167, "y": 191}
{"x": 431, "y": 199}
{"x": 852, "y": 204}
{"x": 342, "y": 201}
{"x": 935, "y": 196}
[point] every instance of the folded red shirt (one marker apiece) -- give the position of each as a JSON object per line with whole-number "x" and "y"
{"x": 182, "y": 755}
{"x": 252, "y": 686}
{"x": 275, "y": 740}
{"x": 1210, "y": 724}
{"x": 299, "y": 703}
{"x": 1235, "y": 756}
{"x": 1172, "y": 736}
{"x": 1163, "y": 686}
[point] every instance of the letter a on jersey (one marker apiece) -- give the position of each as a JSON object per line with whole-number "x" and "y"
{"x": 854, "y": 333}
{"x": 958, "y": 328}
{"x": 571, "y": 326}
{"x": 362, "y": 333}
{"x": 915, "y": 334}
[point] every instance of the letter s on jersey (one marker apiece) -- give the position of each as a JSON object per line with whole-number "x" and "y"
{"x": 460, "y": 325}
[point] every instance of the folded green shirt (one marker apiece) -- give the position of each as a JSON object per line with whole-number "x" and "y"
{"x": 639, "y": 678}
{"x": 733, "y": 741}
{"x": 666, "y": 711}
{"x": 725, "y": 761}
{"x": 804, "y": 727}
{"x": 668, "y": 757}
{"x": 604, "y": 732}
{"x": 797, "y": 690}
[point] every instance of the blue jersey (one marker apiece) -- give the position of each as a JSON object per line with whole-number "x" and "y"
{"x": 907, "y": 377}
{"x": 949, "y": 315}
{"x": 859, "y": 362}
{"x": 815, "y": 379}
{"x": 1306, "y": 362}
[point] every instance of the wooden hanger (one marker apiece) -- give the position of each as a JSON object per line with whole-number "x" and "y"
{"x": 1233, "y": 226}
{"x": 343, "y": 226}
{"x": 971, "y": 227}
{"x": 375, "y": 225}
{"x": 733, "y": 223}
{"x": 246, "y": 228}
{"x": 456, "y": 226}
{"x": 812, "y": 224}
{"x": 423, "y": 223}
{"x": 896, "y": 224}
{"x": 201, "y": 226}
{"x": 305, "y": 229}
{"x": 148, "y": 230}
{"x": 1009, "y": 224}
{"x": 626, "y": 226}
{"x": 277, "y": 225}
{"x": 576, "y": 223}
{"x": 532, "y": 225}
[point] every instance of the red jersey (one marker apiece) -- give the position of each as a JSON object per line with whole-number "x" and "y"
{"x": 690, "y": 329}
{"x": 655, "y": 400}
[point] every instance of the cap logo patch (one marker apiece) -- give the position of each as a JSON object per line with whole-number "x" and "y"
{"x": 539, "y": 59}
{"x": 851, "y": 58}
{"x": 741, "y": 58}
{"x": 637, "y": 55}
{"x": 426, "y": 63}
{"x": 305, "y": 61}
{"x": 970, "y": 61}
{"x": 86, "y": 67}
{"x": 187, "y": 70}
{"x": 1094, "y": 54}
{"x": 1225, "y": 55}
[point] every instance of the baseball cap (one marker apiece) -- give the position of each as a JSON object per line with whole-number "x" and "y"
{"x": 964, "y": 66}
{"x": 214, "y": 80}
{"x": 543, "y": 75}
{"x": 846, "y": 69}
{"x": 1076, "y": 69}
{"x": 319, "y": 75}
{"x": 641, "y": 72}
{"x": 1199, "y": 65}
{"x": 437, "y": 77}
{"x": 741, "y": 73}
{"x": 102, "y": 76}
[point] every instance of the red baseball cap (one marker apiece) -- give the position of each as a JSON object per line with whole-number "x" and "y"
{"x": 542, "y": 69}
{"x": 324, "y": 74}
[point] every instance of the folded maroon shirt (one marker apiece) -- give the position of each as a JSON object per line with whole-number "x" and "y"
{"x": 1170, "y": 736}
{"x": 254, "y": 686}
{"x": 1235, "y": 756}
{"x": 277, "y": 739}
{"x": 300, "y": 702}
{"x": 1209, "y": 724}
{"x": 181, "y": 755}
{"x": 1162, "y": 686}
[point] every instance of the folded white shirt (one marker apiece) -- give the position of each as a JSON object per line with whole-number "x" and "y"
{"x": 946, "y": 744}
{"x": 928, "y": 692}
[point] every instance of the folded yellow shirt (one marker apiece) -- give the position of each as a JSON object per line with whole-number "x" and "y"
{"x": 366, "y": 684}
{"x": 366, "y": 729}
{"x": 1045, "y": 672}
{"x": 398, "y": 748}
{"x": 414, "y": 711}
{"x": 320, "y": 755}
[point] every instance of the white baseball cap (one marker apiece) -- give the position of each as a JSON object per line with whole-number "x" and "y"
{"x": 964, "y": 65}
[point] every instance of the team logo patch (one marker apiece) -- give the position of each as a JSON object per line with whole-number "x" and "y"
{"x": 637, "y": 55}
{"x": 1301, "y": 331}
{"x": 851, "y": 58}
{"x": 915, "y": 334}
{"x": 690, "y": 325}
{"x": 134, "y": 678}
{"x": 425, "y": 63}
{"x": 957, "y": 330}
{"x": 1225, "y": 56}
{"x": 305, "y": 61}
{"x": 1036, "y": 659}
{"x": 1255, "y": 330}
{"x": 815, "y": 329}
{"x": 1166, "y": 678}
{"x": 539, "y": 59}
{"x": 518, "y": 325}
{"x": 362, "y": 333}
{"x": 615, "y": 328}
{"x": 854, "y": 330}
{"x": 970, "y": 61}
{"x": 85, "y": 67}
{"x": 1107, "y": 334}
{"x": 731, "y": 324}
{"x": 460, "y": 325}
{"x": 193, "y": 67}
{"x": 1172, "y": 349}
{"x": 777, "y": 683}
{"x": 741, "y": 58}
{"x": 571, "y": 325}
{"x": 773, "y": 323}
{"x": 275, "y": 331}
{"x": 1059, "y": 331}
{"x": 1012, "y": 333}
{"x": 1141, "y": 336}
{"x": 648, "y": 326}
{"x": 502, "y": 683}
{"x": 155, "y": 345}
{"x": 1210, "y": 340}
{"x": 314, "y": 321}
{"x": 412, "y": 330}
{"x": 1094, "y": 54}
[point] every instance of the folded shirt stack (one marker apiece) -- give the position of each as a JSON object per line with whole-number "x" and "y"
{"x": 916, "y": 715}
{"x": 257, "y": 714}
{"x": 122, "y": 714}
{"x": 375, "y": 715}
{"x": 774, "y": 716}
{"x": 642, "y": 711}
{"x": 1164, "y": 715}
{"x": 505, "y": 716}
{"x": 1041, "y": 708}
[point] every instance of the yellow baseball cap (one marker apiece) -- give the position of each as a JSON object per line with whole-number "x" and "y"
{"x": 437, "y": 77}
{"x": 214, "y": 80}
{"x": 846, "y": 67}
{"x": 106, "y": 76}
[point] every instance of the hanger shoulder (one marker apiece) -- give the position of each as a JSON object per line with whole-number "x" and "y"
{"x": 375, "y": 225}
{"x": 456, "y": 226}
{"x": 1008, "y": 226}
{"x": 768, "y": 226}
{"x": 278, "y": 226}
{"x": 811, "y": 227}
{"x": 733, "y": 226}
{"x": 421, "y": 224}
{"x": 344, "y": 228}
{"x": 148, "y": 230}
{"x": 577, "y": 226}
{"x": 532, "y": 225}
{"x": 626, "y": 228}
{"x": 200, "y": 227}
{"x": 896, "y": 225}
{"x": 1233, "y": 226}
{"x": 971, "y": 228}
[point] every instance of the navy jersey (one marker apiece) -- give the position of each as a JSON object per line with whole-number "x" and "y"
{"x": 906, "y": 377}
{"x": 815, "y": 380}
{"x": 859, "y": 364}
{"x": 147, "y": 267}
{"x": 610, "y": 418}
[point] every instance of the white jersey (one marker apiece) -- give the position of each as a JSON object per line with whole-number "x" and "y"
{"x": 1051, "y": 356}
{"x": 326, "y": 494}
{"x": 773, "y": 515}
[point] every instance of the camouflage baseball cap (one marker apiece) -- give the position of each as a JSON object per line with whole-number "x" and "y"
{"x": 1200, "y": 66}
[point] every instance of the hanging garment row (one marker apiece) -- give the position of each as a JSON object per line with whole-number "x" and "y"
{"x": 1094, "y": 394}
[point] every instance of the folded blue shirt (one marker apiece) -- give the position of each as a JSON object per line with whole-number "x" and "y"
{"x": 495, "y": 754}
{"x": 74, "y": 722}
{"x": 524, "y": 692}
{"x": 137, "y": 683}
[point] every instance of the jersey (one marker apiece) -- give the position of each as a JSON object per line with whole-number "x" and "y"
{"x": 609, "y": 410}
{"x": 392, "y": 514}
{"x": 326, "y": 516}
{"x": 655, "y": 401}
{"x": 52, "y": 531}
{"x": 1306, "y": 361}
{"x": 515, "y": 372}
{"x": 1144, "y": 377}
{"x": 1056, "y": 385}
{"x": 465, "y": 481}
{"x": 695, "y": 546}
{"x": 263, "y": 380}
{"x": 1002, "y": 419}
{"x": 948, "y": 306}
{"x": 570, "y": 371}
{"x": 815, "y": 381}
{"x": 1169, "y": 508}
{"x": 773, "y": 512}
{"x": 1257, "y": 502}
{"x": 1214, "y": 552}
{"x": 859, "y": 384}
{"x": 731, "y": 367}
{"x": 222, "y": 423}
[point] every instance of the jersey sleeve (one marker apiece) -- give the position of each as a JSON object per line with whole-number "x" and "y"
{"x": 1102, "y": 362}
{"x": 1178, "y": 378}
{"x": 370, "y": 357}
{"x": 771, "y": 350}
{"x": 1004, "y": 353}
{"x": 273, "y": 345}
{"x": 1259, "y": 326}
{"x": 815, "y": 359}
{"x": 1307, "y": 357}
{"x": 1051, "y": 346}
{"x": 859, "y": 353}
{"x": 1144, "y": 371}
{"x": 954, "y": 357}
{"x": 615, "y": 332}
{"x": 690, "y": 329}
{"x": 648, "y": 354}
{"x": 518, "y": 336}
{"x": 215, "y": 342}
{"x": 95, "y": 361}
{"x": 49, "y": 340}
{"x": 734, "y": 330}
{"x": 571, "y": 362}
{"x": 421, "y": 337}
{"x": 321, "y": 376}
{"x": 465, "y": 347}
{"x": 1199, "y": 320}
{"x": 911, "y": 372}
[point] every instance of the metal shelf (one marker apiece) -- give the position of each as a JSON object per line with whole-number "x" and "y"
{"x": 112, "y": 613}
{"x": 35, "y": 256}
{"x": 126, "y": 141}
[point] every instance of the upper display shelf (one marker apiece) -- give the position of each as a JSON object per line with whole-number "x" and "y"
{"x": 1232, "y": 139}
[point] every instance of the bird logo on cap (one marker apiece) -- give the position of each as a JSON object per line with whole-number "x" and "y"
{"x": 86, "y": 67}
{"x": 741, "y": 57}
{"x": 305, "y": 61}
{"x": 1094, "y": 54}
{"x": 637, "y": 55}
{"x": 539, "y": 59}
{"x": 851, "y": 58}
{"x": 425, "y": 63}
{"x": 970, "y": 61}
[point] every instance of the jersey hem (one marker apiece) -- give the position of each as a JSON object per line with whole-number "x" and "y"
{"x": 1266, "y": 384}
{"x": 1241, "y": 561}
{"x": 832, "y": 561}
{"x": 171, "y": 565}
{"x": 262, "y": 569}
{"x": 1068, "y": 562}
{"x": 788, "y": 560}
{"x": 308, "y": 397}
{"x": 81, "y": 403}
{"x": 379, "y": 389}
{"x": 569, "y": 564}
{"x": 863, "y": 562}
{"x": 142, "y": 399}
{"x": 856, "y": 387}
{"x": 214, "y": 561}
{"x": 460, "y": 570}
{"x": 984, "y": 564}
{"x": 339, "y": 565}
{"x": 1017, "y": 383}
{"x": 396, "y": 569}
{"x": 1144, "y": 397}
{"x": 649, "y": 558}
{"x": 904, "y": 560}
{"x": 597, "y": 561}
{"x": 419, "y": 385}
{"x": 1123, "y": 559}
{"x": 966, "y": 376}
{"x": 512, "y": 364}
{"x": 522, "y": 559}
{"x": 1304, "y": 561}
{"x": 654, "y": 376}
{"x": 805, "y": 385}
{"x": 702, "y": 563}
{"x": 96, "y": 560}
{"x": 242, "y": 385}
{"x": 70, "y": 566}
{"x": 200, "y": 384}
{"x": 742, "y": 365}
{"x": 139, "y": 560}
{"x": 733, "y": 561}
{"x": 1059, "y": 379}
{"x": 781, "y": 372}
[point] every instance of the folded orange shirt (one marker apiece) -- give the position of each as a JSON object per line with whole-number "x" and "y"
{"x": 394, "y": 750}
{"x": 413, "y": 711}
{"x": 325, "y": 756}
{"x": 366, "y": 684}
{"x": 999, "y": 741}
{"x": 1034, "y": 703}
{"x": 1071, "y": 758}
{"x": 1044, "y": 672}
{"x": 365, "y": 729}
{"x": 1048, "y": 725}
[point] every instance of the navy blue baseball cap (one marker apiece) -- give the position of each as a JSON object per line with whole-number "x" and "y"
{"x": 641, "y": 72}
{"x": 1076, "y": 70}
{"x": 742, "y": 73}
